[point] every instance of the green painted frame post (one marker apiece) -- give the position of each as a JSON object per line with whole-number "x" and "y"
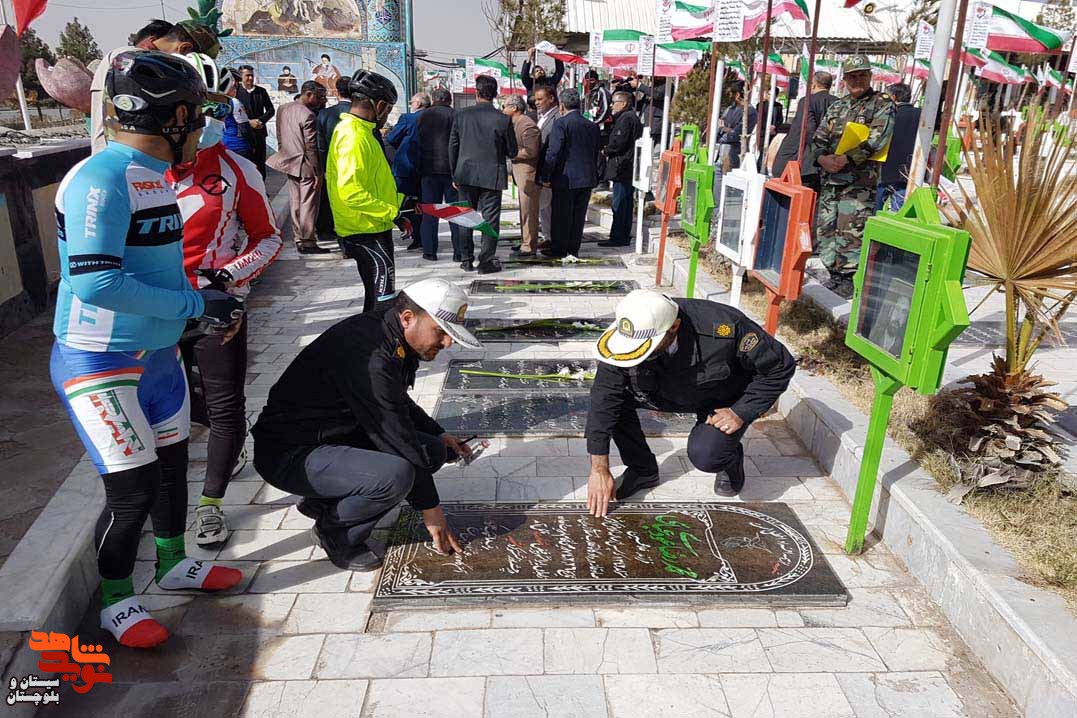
{"x": 936, "y": 314}
{"x": 689, "y": 137}
{"x": 698, "y": 189}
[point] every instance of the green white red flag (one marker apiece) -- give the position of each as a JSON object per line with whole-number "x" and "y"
{"x": 1053, "y": 78}
{"x": 881, "y": 72}
{"x": 460, "y": 214}
{"x": 692, "y": 20}
{"x": 774, "y": 67}
{"x": 620, "y": 49}
{"x": 1013, "y": 33}
{"x": 676, "y": 59}
{"x": 737, "y": 68}
{"x": 921, "y": 69}
{"x": 550, "y": 50}
{"x": 755, "y": 13}
{"x": 996, "y": 69}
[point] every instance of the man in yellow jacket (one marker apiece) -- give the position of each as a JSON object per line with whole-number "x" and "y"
{"x": 361, "y": 188}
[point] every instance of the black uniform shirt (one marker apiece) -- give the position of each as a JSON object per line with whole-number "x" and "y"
{"x": 350, "y": 387}
{"x": 722, "y": 359}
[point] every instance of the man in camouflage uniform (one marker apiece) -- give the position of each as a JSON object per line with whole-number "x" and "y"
{"x": 848, "y": 181}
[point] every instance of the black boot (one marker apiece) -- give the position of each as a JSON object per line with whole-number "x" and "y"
{"x": 632, "y": 482}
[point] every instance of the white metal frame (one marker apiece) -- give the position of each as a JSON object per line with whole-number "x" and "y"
{"x": 751, "y": 183}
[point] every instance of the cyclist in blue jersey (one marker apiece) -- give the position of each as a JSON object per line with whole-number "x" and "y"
{"x": 123, "y": 302}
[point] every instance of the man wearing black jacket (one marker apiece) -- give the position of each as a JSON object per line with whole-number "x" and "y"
{"x": 340, "y": 430}
{"x": 679, "y": 355}
{"x": 260, "y": 111}
{"x": 480, "y": 144}
{"x": 532, "y": 75}
{"x": 435, "y": 170}
{"x": 894, "y": 175}
{"x": 620, "y": 151}
{"x": 818, "y": 102}
{"x": 570, "y": 169}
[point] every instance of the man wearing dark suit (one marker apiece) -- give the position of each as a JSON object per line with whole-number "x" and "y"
{"x": 894, "y": 175}
{"x": 480, "y": 144}
{"x": 435, "y": 172}
{"x": 259, "y": 109}
{"x": 620, "y": 155}
{"x": 570, "y": 168}
{"x": 545, "y": 114}
{"x": 325, "y": 123}
{"x": 818, "y": 102}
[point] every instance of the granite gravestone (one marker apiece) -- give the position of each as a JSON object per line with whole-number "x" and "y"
{"x": 602, "y": 287}
{"x": 520, "y": 374}
{"x": 688, "y": 552}
{"x": 538, "y": 413}
{"x": 538, "y": 330}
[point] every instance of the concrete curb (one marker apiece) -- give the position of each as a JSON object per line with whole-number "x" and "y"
{"x": 1024, "y": 636}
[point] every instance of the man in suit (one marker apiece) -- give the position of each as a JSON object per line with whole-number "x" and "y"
{"x": 480, "y": 144}
{"x": 259, "y": 109}
{"x": 297, "y": 157}
{"x": 327, "y": 121}
{"x": 435, "y": 172}
{"x": 619, "y": 152}
{"x": 570, "y": 168}
{"x": 818, "y": 102}
{"x": 524, "y": 164}
{"x": 545, "y": 113}
{"x": 894, "y": 175}
{"x": 404, "y": 138}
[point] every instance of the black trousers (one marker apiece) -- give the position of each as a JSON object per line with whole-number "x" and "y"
{"x": 373, "y": 255}
{"x": 709, "y": 449}
{"x": 259, "y": 150}
{"x": 488, "y": 203}
{"x": 569, "y": 217}
{"x": 216, "y": 374}
{"x": 353, "y": 487}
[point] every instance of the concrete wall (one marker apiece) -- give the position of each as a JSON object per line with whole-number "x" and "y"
{"x": 29, "y": 263}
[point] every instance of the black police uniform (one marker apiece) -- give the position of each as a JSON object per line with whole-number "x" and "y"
{"x": 721, "y": 359}
{"x": 340, "y": 430}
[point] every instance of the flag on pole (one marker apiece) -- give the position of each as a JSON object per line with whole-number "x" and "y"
{"x": 620, "y": 49}
{"x": 971, "y": 56}
{"x": 693, "y": 19}
{"x": 550, "y": 50}
{"x": 737, "y": 68}
{"x": 881, "y": 72}
{"x": 1012, "y": 33}
{"x": 26, "y": 11}
{"x": 996, "y": 69}
{"x": 511, "y": 84}
{"x": 1053, "y": 79}
{"x": 921, "y": 69}
{"x": 803, "y": 90}
{"x": 755, "y": 13}
{"x": 676, "y": 59}
{"x": 458, "y": 213}
{"x": 774, "y": 67}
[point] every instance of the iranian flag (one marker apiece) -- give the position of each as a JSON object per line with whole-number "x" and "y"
{"x": 493, "y": 68}
{"x": 996, "y": 69}
{"x": 550, "y": 50}
{"x": 620, "y": 49}
{"x": 737, "y": 68}
{"x": 774, "y": 67}
{"x": 512, "y": 85}
{"x": 881, "y": 72}
{"x": 971, "y": 56}
{"x": 676, "y": 59}
{"x": 692, "y": 19}
{"x": 1054, "y": 79}
{"x": 803, "y": 90}
{"x": 921, "y": 69}
{"x": 755, "y": 13}
{"x": 1012, "y": 33}
{"x": 458, "y": 213}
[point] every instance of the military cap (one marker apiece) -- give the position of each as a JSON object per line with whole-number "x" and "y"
{"x": 856, "y": 63}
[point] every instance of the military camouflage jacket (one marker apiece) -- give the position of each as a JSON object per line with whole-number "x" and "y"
{"x": 873, "y": 109}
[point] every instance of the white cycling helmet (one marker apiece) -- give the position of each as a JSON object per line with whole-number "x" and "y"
{"x": 218, "y": 80}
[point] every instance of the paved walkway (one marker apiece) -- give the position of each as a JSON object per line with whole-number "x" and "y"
{"x": 297, "y": 638}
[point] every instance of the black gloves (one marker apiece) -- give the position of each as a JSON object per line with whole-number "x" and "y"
{"x": 221, "y": 309}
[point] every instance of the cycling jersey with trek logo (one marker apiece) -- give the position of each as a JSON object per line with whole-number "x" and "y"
{"x": 122, "y": 285}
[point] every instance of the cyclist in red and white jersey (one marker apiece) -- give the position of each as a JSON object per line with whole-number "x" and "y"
{"x": 229, "y": 238}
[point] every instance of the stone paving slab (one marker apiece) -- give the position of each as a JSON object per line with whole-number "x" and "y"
{"x": 301, "y": 621}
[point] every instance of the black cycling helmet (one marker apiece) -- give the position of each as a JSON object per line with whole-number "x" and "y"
{"x": 146, "y": 87}
{"x": 366, "y": 85}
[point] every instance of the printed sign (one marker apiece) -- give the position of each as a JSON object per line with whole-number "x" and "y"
{"x": 977, "y": 26}
{"x": 456, "y": 80}
{"x": 729, "y": 21}
{"x": 663, "y": 21}
{"x": 925, "y": 41}
{"x": 645, "y": 62}
{"x": 594, "y": 52}
{"x": 469, "y": 71}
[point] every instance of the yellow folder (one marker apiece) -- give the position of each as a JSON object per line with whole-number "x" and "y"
{"x": 854, "y": 135}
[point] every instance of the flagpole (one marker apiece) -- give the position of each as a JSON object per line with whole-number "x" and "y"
{"x": 1063, "y": 72}
{"x": 713, "y": 113}
{"x": 19, "y": 91}
{"x": 763, "y": 79}
{"x": 948, "y": 104}
{"x": 766, "y": 132}
{"x": 932, "y": 90}
{"x": 811, "y": 74}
